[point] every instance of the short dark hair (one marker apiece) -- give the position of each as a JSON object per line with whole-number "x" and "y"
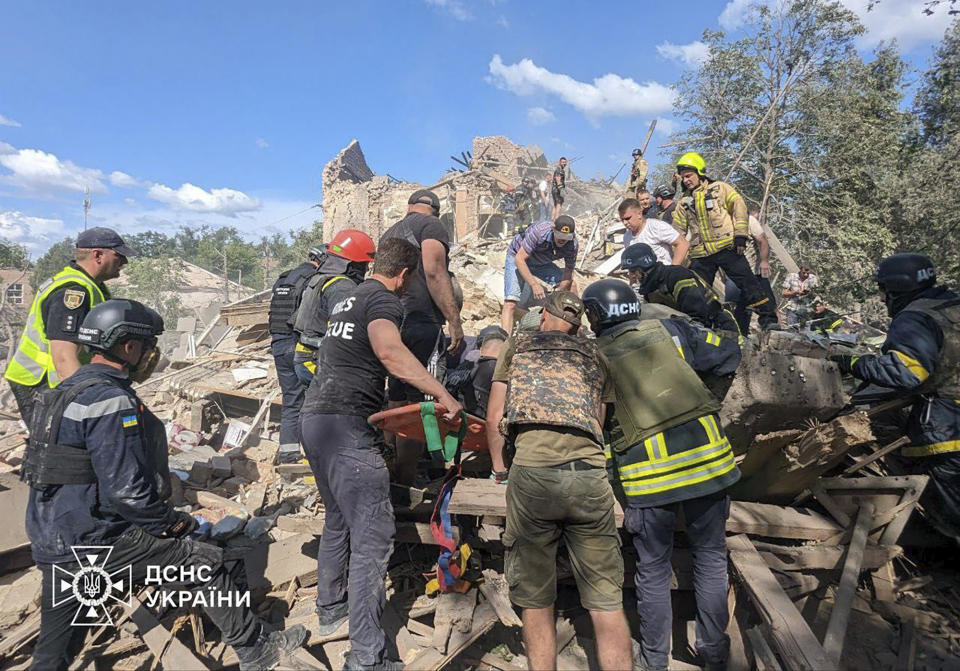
{"x": 395, "y": 254}
{"x": 563, "y": 158}
{"x": 753, "y": 209}
{"x": 626, "y": 204}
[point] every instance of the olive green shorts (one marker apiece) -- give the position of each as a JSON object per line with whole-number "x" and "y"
{"x": 545, "y": 505}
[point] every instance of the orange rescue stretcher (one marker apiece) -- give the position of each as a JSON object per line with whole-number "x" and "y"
{"x": 409, "y": 421}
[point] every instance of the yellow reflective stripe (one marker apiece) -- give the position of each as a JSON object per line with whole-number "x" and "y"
{"x": 310, "y": 366}
{"x": 712, "y": 339}
{"x": 665, "y": 483}
{"x": 679, "y": 346}
{"x": 731, "y": 197}
{"x": 934, "y": 448}
{"x": 303, "y": 349}
{"x": 681, "y": 285}
{"x": 699, "y": 201}
{"x": 713, "y": 433}
{"x": 912, "y": 365}
{"x": 331, "y": 281}
{"x": 690, "y": 459}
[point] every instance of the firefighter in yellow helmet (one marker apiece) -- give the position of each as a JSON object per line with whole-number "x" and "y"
{"x": 715, "y": 215}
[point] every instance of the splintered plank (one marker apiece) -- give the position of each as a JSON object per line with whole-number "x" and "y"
{"x": 791, "y": 635}
{"x": 166, "y": 647}
{"x": 495, "y": 591}
{"x": 431, "y": 659}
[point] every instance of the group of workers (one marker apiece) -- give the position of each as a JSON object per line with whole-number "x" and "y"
{"x": 573, "y": 423}
{"x": 530, "y": 201}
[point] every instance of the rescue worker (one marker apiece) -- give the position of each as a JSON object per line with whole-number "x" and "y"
{"x": 524, "y": 204}
{"x": 470, "y": 381}
{"x": 667, "y": 453}
{"x": 921, "y": 357}
{"x": 715, "y": 216}
{"x": 758, "y": 258}
{"x": 559, "y": 186}
{"x": 284, "y": 301}
{"x": 663, "y": 195}
{"x": 529, "y": 264}
{"x": 549, "y": 390}
{"x": 677, "y": 287}
{"x": 96, "y": 464}
{"x": 49, "y": 351}
{"x": 428, "y": 303}
{"x": 363, "y": 343}
{"x": 637, "y": 181}
{"x": 343, "y": 267}
{"x": 825, "y": 320}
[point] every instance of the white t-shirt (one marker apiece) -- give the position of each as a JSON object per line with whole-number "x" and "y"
{"x": 659, "y": 235}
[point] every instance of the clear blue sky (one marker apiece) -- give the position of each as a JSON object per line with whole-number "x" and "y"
{"x": 246, "y": 101}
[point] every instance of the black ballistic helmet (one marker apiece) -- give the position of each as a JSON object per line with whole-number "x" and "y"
{"x": 117, "y": 320}
{"x": 609, "y": 302}
{"x": 664, "y": 191}
{"x": 640, "y": 257}
{"x": 905, "y": 273}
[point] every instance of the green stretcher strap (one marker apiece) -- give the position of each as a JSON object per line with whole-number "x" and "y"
{"x": 431, "y": 431}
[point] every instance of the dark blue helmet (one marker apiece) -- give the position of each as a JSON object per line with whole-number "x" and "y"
{"x": 639, "y": 257}
{"x": 609, "y": 302}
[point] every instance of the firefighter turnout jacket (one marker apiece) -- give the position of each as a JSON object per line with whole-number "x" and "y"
{"x": 666, "y": 440}
{"x": 680, "y": 288}
{"x": 922, "y": 356}
{"x": 713, "y": 214}
{"x": 32, "y": 360}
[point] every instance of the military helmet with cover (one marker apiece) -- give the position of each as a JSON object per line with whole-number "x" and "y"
{"x": 118, "y": 320}
{"x": 609, "y": 302}
{"x": 639, "y": 257}
{"x": 905, "y": 273}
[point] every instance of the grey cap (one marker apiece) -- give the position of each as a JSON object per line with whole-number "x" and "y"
{"x": 104, "y": 238}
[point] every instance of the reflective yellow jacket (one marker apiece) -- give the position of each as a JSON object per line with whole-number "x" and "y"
{"x": 713, "y": 213}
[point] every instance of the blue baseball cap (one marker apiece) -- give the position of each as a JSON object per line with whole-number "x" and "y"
{"x": 104, "y": 238}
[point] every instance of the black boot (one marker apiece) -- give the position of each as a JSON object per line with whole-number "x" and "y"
{"x": 266, "y": 652}
{"x": 331, "y": 619}
{"x": 351, "y": 664}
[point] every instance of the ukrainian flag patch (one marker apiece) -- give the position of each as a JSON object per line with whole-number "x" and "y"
{"x": 129, "y": 422}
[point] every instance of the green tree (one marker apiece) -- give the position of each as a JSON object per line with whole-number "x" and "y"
{"x": 53, "y": 261}
{"x": 156, "y": 282}
{"x": 152, "y": 244}
{"x": 12, "y": 255}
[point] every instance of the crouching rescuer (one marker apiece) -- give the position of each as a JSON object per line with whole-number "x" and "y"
{"x": 668, "y": 454}
{"x": 96, "y": 464}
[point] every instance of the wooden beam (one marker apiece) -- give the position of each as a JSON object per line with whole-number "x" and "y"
{"x": 431, "y": 659}
{"x": 791, "y": 634}
{"x": 168, "y": 649}
{"x": 860, "y": 463}
{"x": 840, "y": 615}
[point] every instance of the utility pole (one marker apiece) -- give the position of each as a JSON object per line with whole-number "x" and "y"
{"x": 226, "y": 281}
{"x": 86, "y": 205}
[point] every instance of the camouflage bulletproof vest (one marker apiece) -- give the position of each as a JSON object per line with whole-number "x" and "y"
{"x": 656, "y": 389}
{"x": 946, "y": 313}
{"x": 555, "y": 379}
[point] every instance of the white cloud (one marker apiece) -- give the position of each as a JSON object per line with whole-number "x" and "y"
{"x": 886, "y": 20}
{"x": 665, "y": 126}
{"x": 609, "y": 95}
{"x": 38, "y": 171}
{"x": 129, "y": 201}
{"x": 7, "y": 121}
{"x": 261, "y": 143}
{"x": 539, "y": 116}
{"x": 126, "y": 181}
{"x": 216, "y": 201}
{"x": 454, "y": 8}
{"x": 34, "y": 233}
{"x": 691, "y": 55}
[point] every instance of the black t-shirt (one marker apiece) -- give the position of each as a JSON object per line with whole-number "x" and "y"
{"x": 350, "y": 379}
{"x": 64, "y": 309}
{"x": 418, "y": 305}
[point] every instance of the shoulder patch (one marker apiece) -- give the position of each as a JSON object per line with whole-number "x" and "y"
{"x": 73, "y": 298}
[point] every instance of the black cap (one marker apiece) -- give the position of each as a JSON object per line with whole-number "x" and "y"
{"x": 491, "y": 333}
{"x": 425, "y": 197}
{"x": 104, "y": 238}
{"x": 564, "y": 224}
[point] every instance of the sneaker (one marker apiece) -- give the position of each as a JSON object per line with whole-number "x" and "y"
{"x": 331, "y": 619}
{"x": 266, "y": 652}
{"x": 350, "y": 664}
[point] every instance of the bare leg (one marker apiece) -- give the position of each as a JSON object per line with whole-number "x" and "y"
{"x": 540, "y": 639}
{"x": 506, "y": 315}
{"x": 614, "y": 650}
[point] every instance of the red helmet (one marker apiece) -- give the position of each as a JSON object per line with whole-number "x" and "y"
{"x": 352, "y": 245}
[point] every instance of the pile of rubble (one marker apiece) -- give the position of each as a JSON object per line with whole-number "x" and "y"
{"x": 821, "y": 552}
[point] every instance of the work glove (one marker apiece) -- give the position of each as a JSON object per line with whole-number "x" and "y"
{"x": 184, "y": 524}
{"x": 845, "y": 362}
{"x": 740, "y": 242}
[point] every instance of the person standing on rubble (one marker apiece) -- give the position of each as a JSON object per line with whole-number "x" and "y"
{"x": 362, "y": 345}
{"x": 667, "y": 453}
{"x": 530, "y": 259}
{"x": 715, "y": 217}
{"x": 284, "y": 301}
{"x": 549, "y": 390}
{"x": 921, "y": 358}
{"x": 677, "y": 287}
{"x": 343, "y": 267}
{"x": 559, "y": 186}
{"x": 430, "y": 300}
{"x": 758, "y": 258}
{"x": 49, "y": 351}
{"x": 667, "y": 244}
{"x": 637, "y": 181}
{"x": 798, "y": 290}
{"x": 97, "y": 469}
{"x": 663, "y": 195}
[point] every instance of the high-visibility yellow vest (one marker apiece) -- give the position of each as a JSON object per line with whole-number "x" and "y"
{"x": 32, "y": 359}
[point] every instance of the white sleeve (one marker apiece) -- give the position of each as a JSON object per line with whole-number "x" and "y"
{"x": 664, "y": 231}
